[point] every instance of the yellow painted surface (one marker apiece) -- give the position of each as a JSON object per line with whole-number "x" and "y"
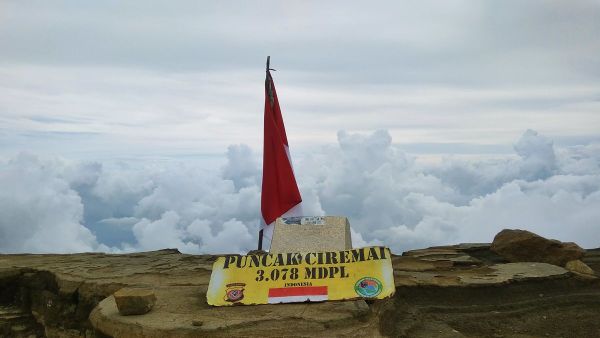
{"x": 286, "y": 277}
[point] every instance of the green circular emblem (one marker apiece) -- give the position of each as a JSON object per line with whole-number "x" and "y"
{"x": 368, "y": 287}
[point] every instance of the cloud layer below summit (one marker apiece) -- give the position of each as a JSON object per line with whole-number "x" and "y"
{"x": 390, "y": 197}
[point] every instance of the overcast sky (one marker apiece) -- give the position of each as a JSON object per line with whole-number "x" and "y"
{"x": 99, "y": 88}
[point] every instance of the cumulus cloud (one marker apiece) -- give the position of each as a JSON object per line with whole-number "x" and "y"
{"x": 538, "y": 157}
{"x": 39, "y": 211}
{"x": 234, "y": 237}
{"x": 241, "y": 167}
{"x": 390, "y": 197}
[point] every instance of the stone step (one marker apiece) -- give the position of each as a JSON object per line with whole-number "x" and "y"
{"x": 16, "y": 323}
{"x": 11, "y": 314}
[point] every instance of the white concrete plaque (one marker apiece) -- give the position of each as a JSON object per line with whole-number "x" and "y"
{"x": 311, "y": 234}
{"x": 305, "y": 220}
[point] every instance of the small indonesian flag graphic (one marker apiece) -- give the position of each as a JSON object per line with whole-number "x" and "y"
{"x": 298, "y": 294}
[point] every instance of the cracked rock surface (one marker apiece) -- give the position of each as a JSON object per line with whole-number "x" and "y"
{"x": 464, "y": 290}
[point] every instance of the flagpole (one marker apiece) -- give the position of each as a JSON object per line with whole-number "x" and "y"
{"x": 260, "y": 233}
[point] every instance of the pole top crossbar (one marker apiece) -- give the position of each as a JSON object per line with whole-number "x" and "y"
{"x": 269, "y": 64}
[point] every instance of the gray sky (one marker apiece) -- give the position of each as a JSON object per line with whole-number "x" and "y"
{"x": 114, "y": 79}
{"x": 137, "y": 125}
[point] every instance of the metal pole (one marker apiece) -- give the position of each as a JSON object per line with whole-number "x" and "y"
{"x": 260, "y": 233}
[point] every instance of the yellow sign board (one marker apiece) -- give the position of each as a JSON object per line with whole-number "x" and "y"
{"x": 364, "y": 273}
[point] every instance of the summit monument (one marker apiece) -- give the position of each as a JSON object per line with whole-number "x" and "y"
{"x": 311, "y": 233}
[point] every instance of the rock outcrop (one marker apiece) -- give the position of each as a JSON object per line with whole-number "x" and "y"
{"x": 134, "y": 301}
{"x": 525, "y": 246}
{"x": 579, "y": 267}
{"x": 15, "y": 322}
{"x": 464, "y": 290}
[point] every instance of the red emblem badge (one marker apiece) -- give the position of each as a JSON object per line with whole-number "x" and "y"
{"x": 234, "y": 292}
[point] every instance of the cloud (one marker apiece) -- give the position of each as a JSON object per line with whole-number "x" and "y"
{"x": 538, "y": 157}
{"x": 39, "y": 211}
{"x": 427, "y": 41}
{"x": 390, "y": 197}
{"x": 161, "y": 233}
{"x": 168, "y": 80}
{"x": 393, "y": 199}
{"x": 473, "y": 76}
{"x": 241, "y": 167}
{"x": 234, "y": 237}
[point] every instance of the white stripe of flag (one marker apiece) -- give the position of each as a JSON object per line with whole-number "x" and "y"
{"x": 298, "y": 294}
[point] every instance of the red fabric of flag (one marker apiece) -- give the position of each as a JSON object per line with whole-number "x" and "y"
{"x": 279, "y": 189}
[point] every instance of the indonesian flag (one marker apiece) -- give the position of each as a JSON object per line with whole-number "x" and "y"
{"x": 298, "y": 294}
{"x": 279, "y": 189}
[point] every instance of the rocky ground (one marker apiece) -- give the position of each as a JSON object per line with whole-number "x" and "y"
{"x": 453, "y": 291}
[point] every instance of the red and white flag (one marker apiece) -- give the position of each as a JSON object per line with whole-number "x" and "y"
{"x": 298, "y": 294}
{"x": 279, "y": 189}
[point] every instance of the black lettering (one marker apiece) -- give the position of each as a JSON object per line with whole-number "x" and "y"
{"x": 254, "y": 261}
{"x": 279, "y": 260}
{"x": 319, "y": 258}
{"x": 275, "y": 274}
{"x": 293, "y": 258}
{"x": 264, "y": 260}
{"x": 229, "y": 260}
{"x": 333, "y": 270}
{"x": 261, "y": 275}
{"x": 330, "y": 258}
{"x": 382, "y": 253}
{"x": 372, "y": 255}
{"x": 298, "y": 284}
{"x": 297, "y": 259}
{"x": 344, "y": 257}
{"x": 310, "y": 273}
{"x": 358, "y": 255}
{"x": 343, "y": 273}
{"x": 308, "y": 261}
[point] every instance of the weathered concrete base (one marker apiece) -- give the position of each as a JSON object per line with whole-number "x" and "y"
{"x": 310, "y": 234}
